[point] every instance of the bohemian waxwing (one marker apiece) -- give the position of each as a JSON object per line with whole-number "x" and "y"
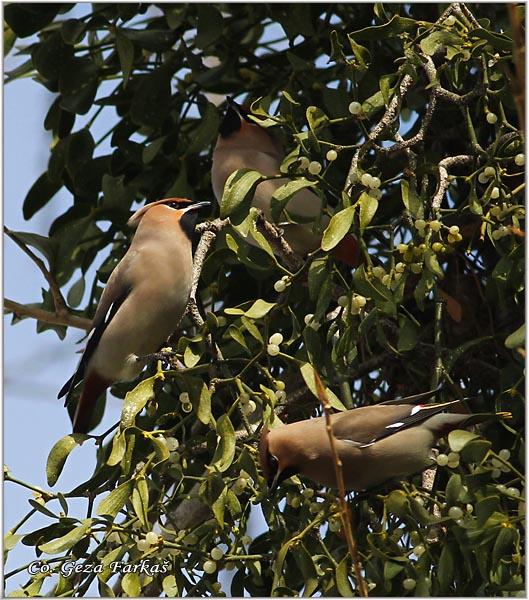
{"x": 141, "y": 305}
{"x": 243, "y": 144}
{"x": 375, "y": 443}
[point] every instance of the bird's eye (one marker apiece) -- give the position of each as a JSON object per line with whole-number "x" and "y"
{"x": 273, "y": 465}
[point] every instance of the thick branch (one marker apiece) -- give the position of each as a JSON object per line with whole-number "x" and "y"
{"x": 209, "y": 231}
{"x": 58, "y": 299}
{"x": 281, "y": 248}
{"x": 67, "y": 319}
{"x": 387, "y": 119}
{"x": 449, "y": 161}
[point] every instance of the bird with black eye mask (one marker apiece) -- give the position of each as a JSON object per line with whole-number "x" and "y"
{"x": 141, "y": 305}
{"x": 376, "y": 444}
{"x": 244, "y": 144}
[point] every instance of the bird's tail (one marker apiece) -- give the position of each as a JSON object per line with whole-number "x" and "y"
{"x": 94, "y": 386}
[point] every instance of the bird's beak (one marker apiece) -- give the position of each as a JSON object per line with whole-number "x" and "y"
{"x": 197, "y": 206}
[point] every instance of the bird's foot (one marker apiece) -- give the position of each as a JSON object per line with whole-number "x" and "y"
{"x": 166, "y": 355}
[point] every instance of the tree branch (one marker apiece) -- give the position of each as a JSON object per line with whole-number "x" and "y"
{"x": 209, "y": 231}
{"x": 281, "y": 248}
{"x": 344, "y": 508}
{"x": 449, "y": 161}
{"x": 58, "y": 299}
{"x": 27, "y": 310}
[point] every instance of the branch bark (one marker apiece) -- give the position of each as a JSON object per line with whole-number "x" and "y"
{"x": 67, "y": 319}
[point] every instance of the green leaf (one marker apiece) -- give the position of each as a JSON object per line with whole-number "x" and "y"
{"x": 318, "y": 273}
{"x": 45, "y": 245}
{"x": 453, "y": 489}
{"x": 431, "y": 262}
{"x": 160, "y": 447}
{"x": 502, "y": 546}
{"x": 207, "y": 129}
{"x": 119, "y": 445}
{"x": 484, "y": 509}
{"x": 362, "y": 55}
{"x": 152, "y": 99}
{"x": 342, "y": 579}
{"x": 373, "y": 104}
{"x": 135, "y": 401}
{"x": 78, "y": 84}
{"x": 238, "y": 190}
{"x": 368, "y": 208}
{"x": 445, "y": 570}
{"x": 170, "y": 587}
{"x": 42, "y": 508}
{"x": 408, "y": 334}
{"x": 11, "y": 540}
{"x": 498, "y": 41}
{"x": 439, "y": 39}
{"x": 131, "y": 585}
{"x": 308, "y": 374}
{"x": 259, "y": 309}
{"x": 9, "y": 39}
{"x": 218, "y": 506}
{"x": 392, "y": 28}
{"x": 210, "y": 25}
{"x": 285, "y": 193}
{"x": 225, "y": 450}
{"x": 72, "y": 31}
{"x": 459, "y": 438}
{"x": 204, "y": 405}
{"x": 338, "y": 228}
{"x": 410, "y": 199}
{"x": 252, "y": 329}
{"x": 40, "y": 193}
{"x": 126, "y": 55}
{"x": 59, "y": 453}
{"x": 67, "y": 541}
{"x": 76, "y": 292}
{"x": 113, "y": 503}
{"x": 28, "y": 18}
{"x": 191, "y": 358}
{"x": 397, "y": 503}
{"x": 237, "y": 336}
{"x": 516, "y": 339}
{"x": 140, "y": 500}
{"x": 392, "y": 569}
{"x": 475, "y": 451}
{"x": 336, "y": 53}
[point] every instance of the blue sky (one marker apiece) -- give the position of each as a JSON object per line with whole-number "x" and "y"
{"x": 35, "y": 366}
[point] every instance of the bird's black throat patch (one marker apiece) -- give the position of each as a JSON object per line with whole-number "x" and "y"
{"x": 188, "y": 222}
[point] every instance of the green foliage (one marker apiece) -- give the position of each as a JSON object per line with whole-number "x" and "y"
{"x": 183, "y": 459}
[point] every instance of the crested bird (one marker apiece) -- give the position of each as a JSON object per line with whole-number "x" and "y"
{"x": 243, "y": 144}
{"x": 141, "y": 304}
{"x": 376, "y": 444}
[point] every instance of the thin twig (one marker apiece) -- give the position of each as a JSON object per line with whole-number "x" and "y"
{"x": 345, "y": 513}
{"x": 281, "y": 248}
{"x": 58, "y": 299}
{"x": 66, "y": 319}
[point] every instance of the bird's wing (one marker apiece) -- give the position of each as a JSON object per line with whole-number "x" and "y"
{"x": 367, "y": 425}
{"x": 113, "y": 296}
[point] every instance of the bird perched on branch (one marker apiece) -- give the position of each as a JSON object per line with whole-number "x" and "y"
{"x": 243, "y": 144}
{"x": 376, "y": 444}
{"x": 141, "y": 305}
